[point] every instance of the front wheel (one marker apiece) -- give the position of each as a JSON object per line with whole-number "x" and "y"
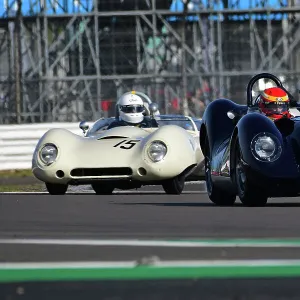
{"x": 102, "y": 189}
{"x": 248, "y": 192}
{"x": 215, "y": 194}
{"x": 56, "y": 189}
{"x": 174, "y": 186}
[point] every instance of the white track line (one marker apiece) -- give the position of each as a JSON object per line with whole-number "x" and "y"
{"x": 154, "y": 243}
{"x": 157, "y": 263}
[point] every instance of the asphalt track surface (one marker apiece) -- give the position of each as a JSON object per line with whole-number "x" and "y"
{"x": 149, "y": 214}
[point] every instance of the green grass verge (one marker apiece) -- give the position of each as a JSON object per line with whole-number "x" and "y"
{"x": 15, "y": 173}
{"x": 22, "y": 188}
{"x": 145, "y": 272}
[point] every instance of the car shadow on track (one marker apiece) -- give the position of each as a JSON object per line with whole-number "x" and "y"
{"x": 201, "y": 204}
{"x": 168, "y": 204}
{"x": 156, "y": 193}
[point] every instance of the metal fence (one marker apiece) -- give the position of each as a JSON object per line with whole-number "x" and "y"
{"x": 17, "y": 142}
{"x": 70, "y": 60}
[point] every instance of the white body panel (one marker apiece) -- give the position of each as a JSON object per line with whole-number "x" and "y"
{"x": 98, "y": 151}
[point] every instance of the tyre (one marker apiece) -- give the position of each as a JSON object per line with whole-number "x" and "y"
{"x": 216, "y": 195}
{"x": 56, "y": 189}
{"x": 249, "y": 193}
{"x": 103, "y": 188}
{"x": 174, "y": 186}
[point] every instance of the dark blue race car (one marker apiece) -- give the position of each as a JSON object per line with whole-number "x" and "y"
{"x": 247, "y": 154}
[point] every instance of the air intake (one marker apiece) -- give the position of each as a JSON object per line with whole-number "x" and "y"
{"x": 98, "y": 172}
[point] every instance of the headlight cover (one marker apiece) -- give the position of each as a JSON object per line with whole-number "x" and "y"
{"x": 157, "y": 151}
{"x": 48, "y": 154}
{"x": 266, "y": 147}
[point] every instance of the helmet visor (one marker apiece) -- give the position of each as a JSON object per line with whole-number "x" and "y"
{"x": 130, "y": 109}
{"x": 275, "y": 108}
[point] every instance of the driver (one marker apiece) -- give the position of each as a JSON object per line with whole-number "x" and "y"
{"x": 274, "y": 103}
{"x": 131, "y": 112}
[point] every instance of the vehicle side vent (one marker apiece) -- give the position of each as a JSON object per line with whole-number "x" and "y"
{"x": 96, "y": 172}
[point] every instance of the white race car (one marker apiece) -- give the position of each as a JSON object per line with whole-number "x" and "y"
{"x": 122, "y": 157}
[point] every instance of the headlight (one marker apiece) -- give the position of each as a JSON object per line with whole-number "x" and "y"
{"x": 266, "y": 147}
{"x": 157, "y": 151}
{"x": 48, "y": 154}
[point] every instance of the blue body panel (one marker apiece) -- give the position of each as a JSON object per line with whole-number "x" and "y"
{"x": 221, "y": 132}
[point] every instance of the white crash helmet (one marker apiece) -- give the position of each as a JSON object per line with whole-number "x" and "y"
{"x": 131, "y": 108}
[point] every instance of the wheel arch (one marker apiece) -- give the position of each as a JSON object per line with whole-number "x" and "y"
{"x": 218, "y": 125}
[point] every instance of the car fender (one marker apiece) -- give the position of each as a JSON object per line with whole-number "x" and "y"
{"x": 183, "y": 149}
{"x": 60, "y": 137}
{"x": 216, "y": 124}
{"x": 251, "y": 125}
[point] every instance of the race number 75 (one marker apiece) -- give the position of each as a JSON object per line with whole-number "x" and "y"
{"x": 125, "y": 144}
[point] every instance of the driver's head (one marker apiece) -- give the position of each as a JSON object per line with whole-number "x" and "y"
{"x": 131, "y": 108}
{"x": 274, "y": 103}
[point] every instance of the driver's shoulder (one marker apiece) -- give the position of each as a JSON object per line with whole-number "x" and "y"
{"x": 149, "y": 121}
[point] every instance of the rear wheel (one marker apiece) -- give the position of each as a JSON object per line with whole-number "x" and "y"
{"x": 216, "y": 195}
{"x": 102, "y": 188}
{"x": 248, "y": 192}
{"x": 174, "y": 186}
{"x": 56, "y": 189}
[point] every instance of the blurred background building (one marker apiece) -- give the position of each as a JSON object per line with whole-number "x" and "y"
{"x": 68, "y": 60}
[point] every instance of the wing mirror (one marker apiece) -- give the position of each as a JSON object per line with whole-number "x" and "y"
{"x": 84, "y": 126}
{"x": 153, "y": 107}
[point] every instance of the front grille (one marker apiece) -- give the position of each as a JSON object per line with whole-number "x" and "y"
{"x": 97, "y": 172}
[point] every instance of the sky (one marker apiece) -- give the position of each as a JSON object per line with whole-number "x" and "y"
{"x": 31, "y": 7}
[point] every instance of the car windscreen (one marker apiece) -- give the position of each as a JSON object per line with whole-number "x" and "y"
{"x": 100, "y": 125}
{"x": 198, "y": 123}
{"x": 184, "y": 123}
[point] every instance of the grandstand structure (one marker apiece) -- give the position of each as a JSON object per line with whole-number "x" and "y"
{"x": 68, "y": 60}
